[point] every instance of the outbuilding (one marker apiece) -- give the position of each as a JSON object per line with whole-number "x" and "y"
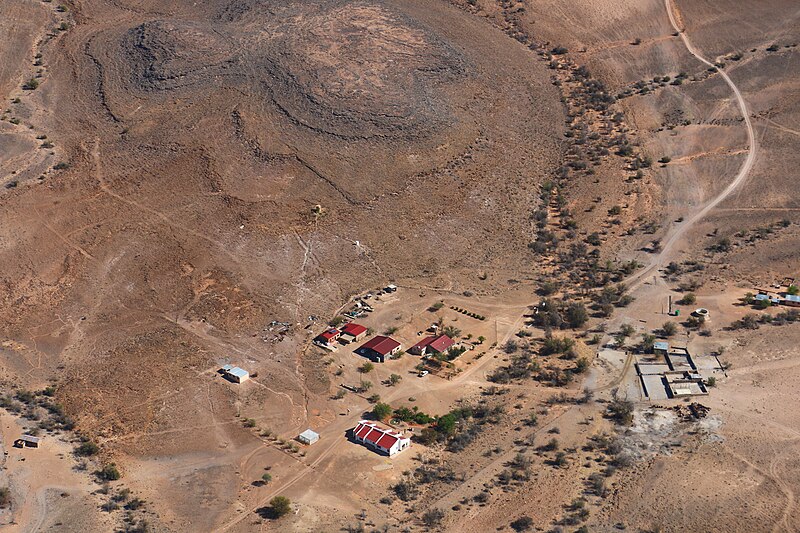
{"x": 308, "y": 437}
{"x": 352, "y": 332}
{"x": 235, "y": 374}
{"x": 27, "y": 441}
{"x": 327, "y": 339}
{"x": 660, "y": 348}
{"x": 379, "y": 348}
{"x": 792, "y": 300}
{"x": 380, "y": 439}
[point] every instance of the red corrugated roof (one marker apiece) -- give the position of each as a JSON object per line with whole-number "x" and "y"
{"x": 437, "y": 343}
{"x": 361, "y": 430}
{"x": 330, "y": 334}
{"x": 386, "y": 441}
{"x": 354, "y": 329}
{"x": 441, "y": 343}
{"x": 381, "y": 344}
{"x": 376, "y": 435}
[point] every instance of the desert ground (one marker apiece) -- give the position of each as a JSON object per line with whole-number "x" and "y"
{"x": 192, "y": 184}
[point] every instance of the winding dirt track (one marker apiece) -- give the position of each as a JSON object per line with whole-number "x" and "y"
{"x": 637, "y": 279}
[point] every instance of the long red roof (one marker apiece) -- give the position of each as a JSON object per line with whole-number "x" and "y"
{"x": 373, "y": 433}
{"x": 381, "y": 344}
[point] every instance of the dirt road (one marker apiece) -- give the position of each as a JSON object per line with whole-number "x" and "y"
{"x": 666, "y": 251}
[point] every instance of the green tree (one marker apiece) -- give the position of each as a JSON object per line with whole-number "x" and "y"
{"x": 280, "y": 506}
{"x": 576, "y": 315}
{"x": 266, "y": 478}
{"x": 394, "y": 379}
{"x": 688, "y": 299}
{"x": 451, "y": 331}
{"x": 793, "y": 290}
{"x": 763, "y": 304}
{"x": 648, "y": 341}
{"x": 446, "y": 424}
{"x": 366, "y": 368}
{"x": 381, "y": 410}
{"x": 669, "y": 328}
{"x": 626, "y": 331}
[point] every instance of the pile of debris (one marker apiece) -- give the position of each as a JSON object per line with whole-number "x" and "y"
{"x": 693, "y": 411}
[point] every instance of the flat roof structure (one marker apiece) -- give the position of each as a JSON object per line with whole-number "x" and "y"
{"x": 308, "y": 437}
{"x": 792, "y": 299}
{"x": 235, "y": 373}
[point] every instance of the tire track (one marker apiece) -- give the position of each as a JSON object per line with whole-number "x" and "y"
{"x": 667, "y": 248}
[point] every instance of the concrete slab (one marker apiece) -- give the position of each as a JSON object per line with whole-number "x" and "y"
{"x": 652, "y": 368}
{"x": 655, "y": 387}
{"x": 680, "y": 361}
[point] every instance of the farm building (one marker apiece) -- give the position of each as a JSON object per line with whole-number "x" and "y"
{"x": 235, "y": 374}
{"x": 380, "y": 439}
{"x": 379, "y": 348}
{"x": 308, "y": 437}
{"x": 327, "y": 339}
{"x": 352, "y": 332}
{"x": 432, "y": 345}
{"x": 27, "y": 441}
{"x": 763, "y": 296}
{"x": 792, "y": 300}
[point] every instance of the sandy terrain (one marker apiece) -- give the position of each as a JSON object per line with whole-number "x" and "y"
{"x": 196, "y": 184}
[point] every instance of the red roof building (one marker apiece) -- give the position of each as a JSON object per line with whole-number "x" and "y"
{"x": 379, "y": 438}
{"x": 353, "y": 332}
{"x": 433, "y": 344}
{"x": 379, "y": 348}
{"x": 327, "y": 337}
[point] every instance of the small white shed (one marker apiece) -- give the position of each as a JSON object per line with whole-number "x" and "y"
{"x": 308, "y": 437}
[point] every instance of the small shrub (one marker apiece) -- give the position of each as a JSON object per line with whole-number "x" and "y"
{"x": 523, "y": 523}
{"x": 5, "y": 497}
{"x": 109, "y": 473}
{"x": 87, "y": 448}
{"x": 433, "y": 517}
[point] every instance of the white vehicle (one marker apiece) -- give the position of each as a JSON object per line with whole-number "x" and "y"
{"x": 423, "y": 373}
